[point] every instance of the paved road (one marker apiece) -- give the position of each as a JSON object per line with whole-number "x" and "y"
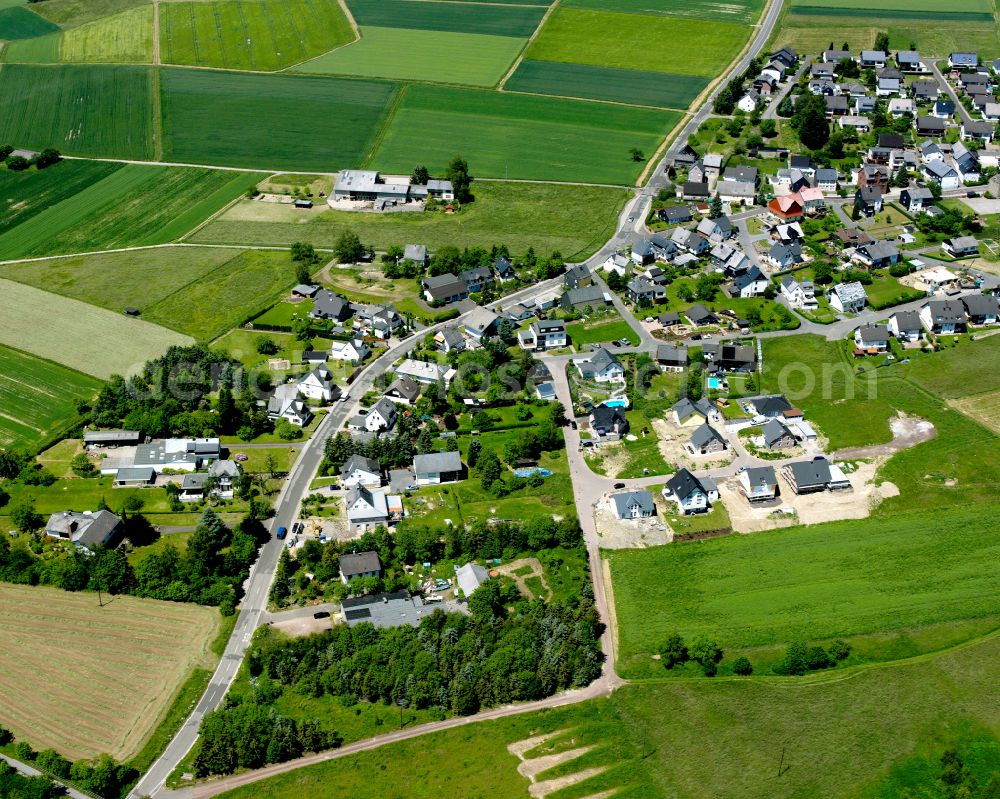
{"x": 959, "y": 108}
{"x": 31, "y": 771}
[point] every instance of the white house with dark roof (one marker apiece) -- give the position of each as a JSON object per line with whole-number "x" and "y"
{"x": 359, "y": 564}
{"x": 981, "y": 309}
{"x": 799, "y": 294}
{"x": 633, "y": 505}
{"x": 808, "y": 477}
{"x": 318, "y": 385}
{"x": 85, "y": 530}
{"x": 359, "y": 470}
{"x": 366, "y": 506}
{"x": 961, "y": 246}
{"x": 444, "y": 289}
{"x": 872, "y": 337}
{"x": 287, "y": 403}
{"x": 689, "y": 493}
{"x": 906, "y": 326}
{"x": 403, "y": 391}
{"x": 945, "y": 317}
{"x": 352, "y": 352}
{"x": 758, "y": 483}
{"x": 543, "y": 334}
{"x": 601, "y": 367}
{"x": 327, "y": 305}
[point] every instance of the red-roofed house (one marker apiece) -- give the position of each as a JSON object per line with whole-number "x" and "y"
{"x": 787, "y": 208}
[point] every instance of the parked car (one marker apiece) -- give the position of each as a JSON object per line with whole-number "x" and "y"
{"x": 282, "y": 532}
{"x": 972, "y": 194}
{"x": 321, "y": 614}
{"x": 573, "y": 425}
{"x": 619, "y": 485}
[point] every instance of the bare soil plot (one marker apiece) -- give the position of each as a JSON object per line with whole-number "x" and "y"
{"x": 984, "y": 408}
{"x": 85, "y": 679}
{"x": 522, "y": 570}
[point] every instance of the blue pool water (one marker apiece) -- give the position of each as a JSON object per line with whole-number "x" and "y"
{"x": 714, "y": 382}
{"x": 530, "y": 471}
{"x": 617, "y": 403}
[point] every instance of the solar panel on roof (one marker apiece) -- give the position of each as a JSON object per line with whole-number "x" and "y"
{"x": 357, "y": 613}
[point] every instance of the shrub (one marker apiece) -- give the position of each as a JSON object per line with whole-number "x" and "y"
{"x": 673, "y": 652}
{"x": 742, "y": 666}
{"x": 818, "y": 658}
{"x": 839, "y": 650}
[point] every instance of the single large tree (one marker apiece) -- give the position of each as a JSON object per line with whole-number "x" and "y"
{"x": 461, "y": 180}
{"x": 348, "y": 248}
{"x": 809, "y": 121}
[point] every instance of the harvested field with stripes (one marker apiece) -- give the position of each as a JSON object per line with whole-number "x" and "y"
{"x": 85, "y": 679}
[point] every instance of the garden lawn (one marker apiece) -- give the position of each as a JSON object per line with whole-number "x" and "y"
{"x": 494, "y": 20}
{"x": 631, "y": 86}
{"x": 39, "y": 399}
{"x": 837, "y": 580}
{"x": 575, "y": 220}
{"x": 263, "y": 35}
{"x": 437, "y": 56}
{"x": 125, "y": 38}
{"x": 258, "y": 121}
{"x": 608, "y": 39}
{"x": 82, "y": 110}
{"x": 581, "y": 334}
{"x": 520, "y": 136}
{"x": 132, "y": 206}
{"x": 98, "y": 342}
{"x": 644, "y": 456}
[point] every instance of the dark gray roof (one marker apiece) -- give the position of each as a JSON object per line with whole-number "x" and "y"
{"x": 111, "y": 437}
{"x": 774, "y": 431}
{"x": 606, "y": 416}
{"x": 771, "y": 405}
{"x": 907, "y": 320}
{"x": 672, "y": 354}
{"x": 761, "y": 475}
{"x": 872, "y": 334}
{"x": 586, "y": 295}
{"x": 359, "y": 563}
{"x": 946, "y": 311}
{"x": 437, "y": 462}
{"x": 683, "y": 484}
{"x": 811, "y": 473}
{"x": 404, "y": 387}
{"x": 641, "y": 498}
{"x": 980, "y": 304}
{"x": 705, "y": 434}
{"x": 699, "y": 312}
{"x": 360, "y": 462}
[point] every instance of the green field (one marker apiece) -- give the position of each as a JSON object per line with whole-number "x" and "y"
{"x": 611, "y": 39}
{"x": 199, "y": 291}
{"x": 263, "y": 35}
{"x": 96, "y": 341}
{"x": 495, "y": 20}
{"x": 71, "y": 13}
{"x": 259, "y": 121}
{"x": 581, "y": 334}
{"x": 83, "y": 110}
{"x": 575, "y": 220}
{"x": 123, "y": 38}
{"x": 741, "y": 11}
{"x": 631, "y": 86}
{"x": 438, "y": 56}
{"x": 39, "y": 398}
{"x": 132, "y": 206}
{"x": 520, "y": 136}
{"x": 40, "y": 50}
{"x": 18, "y": 22}
{"x": 852, "y": 738}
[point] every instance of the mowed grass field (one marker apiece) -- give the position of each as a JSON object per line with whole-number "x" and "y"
{"x": 124, "y": 38}
{"x": 109, "y": 673}
{"x": 984, "y": 408}
{"x": 133, "y": 205}
{"x": 472, "y": 59}
{"x": 38, "y": 398}
{"x": 91, "y": 340}
{"x": 520, "y": 136}
{"x": 681, "y": 46}
{"x": 198, "y": 291}
{"x": 837, "y": 739}
{"x": 82, "y": 110}
{"x": 262, "y": 35}
{"x": 495, "y": 20}
{"x": 575, "y": 220}
{"x": 631, "y": 86}
{"x": 270, "y": 121}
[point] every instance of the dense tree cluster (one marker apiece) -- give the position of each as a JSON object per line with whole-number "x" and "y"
{"x": 703, "y": 651}
{"x": 800, "y": 658}
{"x": 14, "y": 784}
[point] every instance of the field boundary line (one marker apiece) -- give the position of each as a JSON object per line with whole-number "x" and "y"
{"x": 357, "y": 38}
{"x": 156, "y": 99}
{"x": 595, "y": 100}
{"x": 390, "y": 115}
{"x": 139, "y": 248}
{"x": 216, "y": 215}
{"x": 156, "y": 32}
{"x": 527, "y": 44}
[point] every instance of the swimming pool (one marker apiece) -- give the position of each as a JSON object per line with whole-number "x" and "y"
{"x": 616, "y": 403}
{"x": 714, "y": 382}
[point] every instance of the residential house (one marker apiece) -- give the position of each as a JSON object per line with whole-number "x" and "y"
{"x": 930, "y": 151}
{"x": 981, "y": 309}
{"x": 328, "y": 305}
{"x": 874, "y": 176}
{"x": 672, "y": 357}
{"x": 909, "y": 61}
{"x": 876, "y": 255}
{"x": 729, "y": 259}
{"x": 961, "y": 246}
{"x": 872, "y": 338}
{"x": 748, "y": 102}
{"x": 578, "y": 277}
{"x": 544, "y": 334}
{"x": 642, "y": 290}
{"x": 689, "y": 413}
{"x": 732, "y": 357}
{"x": 698, "y": 315}
{"x": 352, "y": 352}
{"x": 449, "y": 339}
{"x": 601, "y": 367}
{"x": 942, "y": 174}
{"x": 944, "y": 110}
{"x": 694, "y": 190}
{"x": 736, "y": 192}
{"x": 444, "y": 289}
{"x": 916, "y": 199}
{"x": 677, "y": 215}
{"x": 642, "y": 253}
{"x": 134, "y": 477}
{"x": 691, "y": 241}
{"x": 706, "y": 440}
{"x": 905, "y": 326}
{"x": 318, "y": 385}
{"x": 616, "y": 262}
{"x": 924, "y": 91}
{"x": 750, "y": 283}
{"x": 378, "y": 321}
{"x": 900, "y": 107}
{"x": 783, "y": 256}
{"x": 978, "y": 130}
{"x": 365, "y": 507}
{"x": 786, "y": 56}
{"x": 868, "y": 201}
{"x": 286, "y": 403}
{"x": 848, "y": 297}
{"x": 669, "y": 319}
{"x": 582, "y": 298}
{"x": 889, "y": 87}
{"x": 225, "y": 476}
{"x": 836, "y": 106}
{"x": 807, "y": 477}
{"x": 799, "y": 295}
{"x": 424, "y": 371}
{"x": 716, "y": 230}
{"x": 770, "y": 406}
{"x": 836, "y": 56}
{"x": 758, "y": 483}
{"x": 608, "y": 420}
{"x": 435, "y": 468}
{"x": 812, "y": 197}
{"x": 633, "y": 505}
{"x": 966, "y": 163}
{"x": 945, "y": 317}
{"x": 477, "y": 278}
{"x": 480, "y": 323}
{"x": 403, "y": 391}
{"x": 933, "y": 125}
{"x": 416, "y": 253}
{"x": 503, "y": 270}
{"x": 359, "y": 565}
{"x": 777, "y": 436}
{"x": 788, "y": 208}
{"x": 381, "y": 416}
{"x": 873, "y": 59}
{"x": 960, "y": 61}
{"x": 86, "y": 530}
{"x": 688, "y": 492}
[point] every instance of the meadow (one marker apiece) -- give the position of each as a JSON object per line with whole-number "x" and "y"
{"x": 132, "y": 206}
{"x": 681, "y": 46}
{"x": 837, "y": 739}
{"x": 20, "y": 22}
{"x": 110, "y": 673}
{"x": 471, "y": 59}
{"x": 39, "y": 399}
{"x": 199, "y": 291}
{"x": 262, "y": 35}
{"x": 495, "y": 20}
{"x": 581, "y": 334}
{"x": 94, "y": 341}
{"x": 575, "y": 220}
{"x": 72, "y": 13}
{"x": 124, "y": 38}
{"x": 816, "y": 583}
{"x": 82, "y": 110}
{"x": 260, "y": 121}
{"x": 40, "y": 50}
{"x": 520, "y": 136}
{"x": 631, "y": 86}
